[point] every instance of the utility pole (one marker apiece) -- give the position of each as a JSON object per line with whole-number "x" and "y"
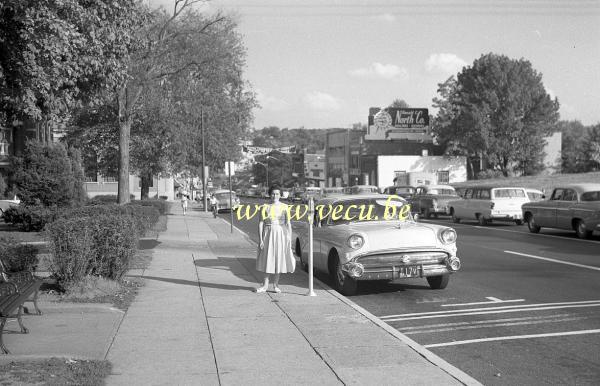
{"x": 203, "y": 156}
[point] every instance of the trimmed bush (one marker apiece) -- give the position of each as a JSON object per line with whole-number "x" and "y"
{"x": 71, "y": 242}
{"x": 30, "y": 218}
{"x": 18, "y": 257}
{"x": 102, "y": 199}
{"x": 46, "y": 175}
{"x": 101, "y": 245}
{"x": 162, "y": 206}
{"x": 144, "y": 216}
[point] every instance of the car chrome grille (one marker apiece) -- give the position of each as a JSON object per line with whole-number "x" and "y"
{"x": 432, "y": 257}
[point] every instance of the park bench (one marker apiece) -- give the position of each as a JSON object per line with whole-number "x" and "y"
{"x": 16, "y": 288}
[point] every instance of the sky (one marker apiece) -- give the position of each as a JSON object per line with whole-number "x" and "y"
{"x": 323, "y": 63}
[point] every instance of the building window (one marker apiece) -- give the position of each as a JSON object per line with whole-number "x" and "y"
{"x": 443, "y": 177}
{"x": 316, "y": 172}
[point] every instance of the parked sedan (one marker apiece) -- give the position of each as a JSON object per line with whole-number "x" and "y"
{"x": 574, "y": 206}
{"x": 431, "y": 200}
{"x": 351, "y": 245}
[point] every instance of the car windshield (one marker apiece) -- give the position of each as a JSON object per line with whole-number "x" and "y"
{"x": 405, "y": 190}
{"x": 590, "y": 196}
{"x": 509, "y": 193}
{"x": 533, "y": 196}
{"x": 437, "y": 191}
{"x": 364, "y": 210}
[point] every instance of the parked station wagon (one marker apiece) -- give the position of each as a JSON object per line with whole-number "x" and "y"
{"x": 486, "y": 204}
{"x": 351, "y": 249}
{"x": 575, "y": 206}
{"x": 431, "y": 200}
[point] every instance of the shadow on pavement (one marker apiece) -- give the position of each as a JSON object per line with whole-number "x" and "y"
{"x": 148, "y": 243}
{"x": 194, "y": 283}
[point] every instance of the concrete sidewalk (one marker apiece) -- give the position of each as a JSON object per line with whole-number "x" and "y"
{"x": 197, "y": 321}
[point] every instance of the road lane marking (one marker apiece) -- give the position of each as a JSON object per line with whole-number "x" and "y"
{"x": 437, "y": 325}
{"x": 492, "y": 301}
{"x": 493, "y": 312}
{"x": 511, "y": 231}
{"x": 553, "y": 260}
{"x": 512, "y": 337}
{"x": 489, "y": 308}
{"x": 507, "y": 324}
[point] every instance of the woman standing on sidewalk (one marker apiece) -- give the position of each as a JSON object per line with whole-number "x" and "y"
{"x": 275, "y": 248}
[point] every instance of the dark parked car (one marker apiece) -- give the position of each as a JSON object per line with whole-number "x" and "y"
{"x": 574, "y": 206}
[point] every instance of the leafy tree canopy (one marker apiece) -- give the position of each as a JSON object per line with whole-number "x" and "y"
{"x": 57, "y": 54}
{"x": 497, "y": 107}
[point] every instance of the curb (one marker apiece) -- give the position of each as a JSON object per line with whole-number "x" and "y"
{"x": 448, "y": 368}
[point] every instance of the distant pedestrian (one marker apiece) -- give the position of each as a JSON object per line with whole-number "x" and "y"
{"x": 275, "y": 247}
{"x": 214, "y": 205}
{"x": 184, "y": 201}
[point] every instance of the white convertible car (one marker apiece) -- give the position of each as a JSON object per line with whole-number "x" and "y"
{"x": 354, "y": 240}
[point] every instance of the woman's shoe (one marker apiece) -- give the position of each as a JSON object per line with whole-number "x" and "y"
{"x": 276, "y": 290}
{"x": 260, "y": 290}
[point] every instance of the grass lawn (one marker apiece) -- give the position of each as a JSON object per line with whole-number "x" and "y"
{"x": 54, "y": 371}
{"x": 545, "y": 183}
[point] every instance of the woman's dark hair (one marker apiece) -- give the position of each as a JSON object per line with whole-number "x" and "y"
{"x": 274, "y": 187}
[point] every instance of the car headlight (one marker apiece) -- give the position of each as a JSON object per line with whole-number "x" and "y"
{"x": 356, "y": 241}
{"x": 448, "y": 236}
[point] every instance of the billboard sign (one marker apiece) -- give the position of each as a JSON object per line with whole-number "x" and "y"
{"x": 398, "y": 123}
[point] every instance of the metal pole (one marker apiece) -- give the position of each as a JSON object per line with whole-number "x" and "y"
{"x": 203, "y": 165}
{"x": 267, "y": 166}
{"x": 230, "y": 197}
{"x": 311, "y": 218}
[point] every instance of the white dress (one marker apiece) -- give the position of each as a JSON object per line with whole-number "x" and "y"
{"x": 276, "y": 255}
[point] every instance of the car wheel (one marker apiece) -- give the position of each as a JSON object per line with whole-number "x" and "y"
{"x": 455, "y": 219}
{"x": 519, "y": 222}
{"x": 581, "y": 230}
{"x": 481, "y": 220}
{"x": 298, "y": 252}
{"x": 532, "y": 226}
{"x": 438, "y": 282}
{"x": 343, "y": 283}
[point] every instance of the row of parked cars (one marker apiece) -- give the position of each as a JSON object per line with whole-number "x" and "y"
{"x": 354, "y": 249}
{"x": 572, "y": 206}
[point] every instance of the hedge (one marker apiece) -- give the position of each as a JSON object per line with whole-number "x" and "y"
{"x": 18, "y": 257}
{"x": 101, "y": 245}
{"x": 30, "y": 218}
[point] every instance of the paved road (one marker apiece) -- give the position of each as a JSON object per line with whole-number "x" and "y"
{"x": 525, "y": 308}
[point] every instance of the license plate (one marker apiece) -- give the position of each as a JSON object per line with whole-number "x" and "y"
{"x": 410, "y": 271}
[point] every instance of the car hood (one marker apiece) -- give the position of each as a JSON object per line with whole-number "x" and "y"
{"x": 400, "y": 234}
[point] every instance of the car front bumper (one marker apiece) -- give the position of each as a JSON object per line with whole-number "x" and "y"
{"x": 400, "y": 270}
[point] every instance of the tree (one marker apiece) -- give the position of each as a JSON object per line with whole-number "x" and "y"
{"x": 400, "y": 103}
{"x": 573, "y": 158}
{"x": 499, "y": 108}
{"x": 58, "y": 54}
{"x": 591, "y": 148}
{"x": 186, "y": 43}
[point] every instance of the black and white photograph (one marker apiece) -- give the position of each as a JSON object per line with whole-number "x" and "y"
{"x": 299, "y": 192}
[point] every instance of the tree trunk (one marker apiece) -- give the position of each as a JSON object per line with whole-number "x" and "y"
{"x": 124, "y": 136}
{"x": 146, "y": 180}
